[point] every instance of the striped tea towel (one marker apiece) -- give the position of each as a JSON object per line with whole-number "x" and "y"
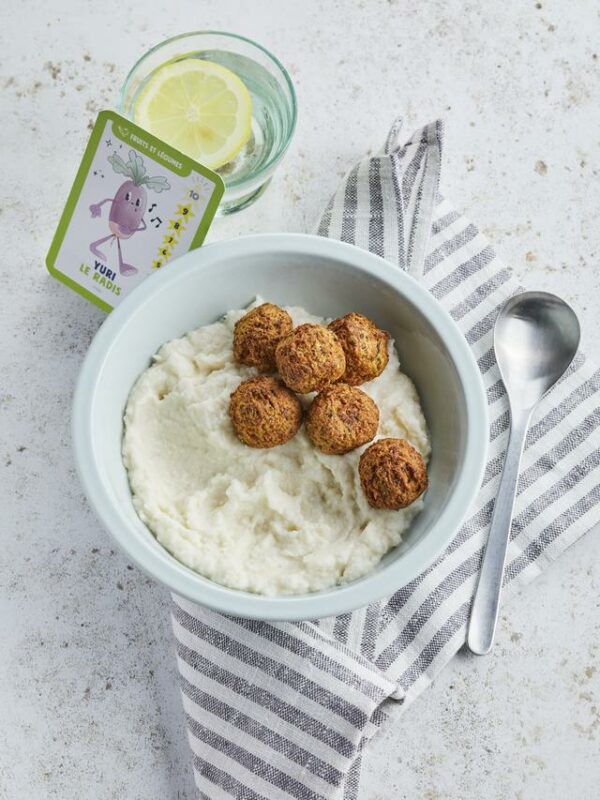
{"x": 283, "y": 710}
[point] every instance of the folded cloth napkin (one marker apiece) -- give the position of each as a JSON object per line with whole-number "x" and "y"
{"x": 279, "y": 710}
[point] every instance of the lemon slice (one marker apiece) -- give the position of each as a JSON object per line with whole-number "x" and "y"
{"x": 201, "y": 108}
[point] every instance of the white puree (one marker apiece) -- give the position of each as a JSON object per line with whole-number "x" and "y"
{"x": 286, "y": 520}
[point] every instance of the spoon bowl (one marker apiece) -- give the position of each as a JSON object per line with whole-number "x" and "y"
{"x": 535, "y": 338}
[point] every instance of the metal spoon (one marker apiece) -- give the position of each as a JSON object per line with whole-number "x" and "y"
{"x": 535, "y": 339}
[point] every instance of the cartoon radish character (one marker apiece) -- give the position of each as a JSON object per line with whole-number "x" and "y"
{"x": 128, "y": 205}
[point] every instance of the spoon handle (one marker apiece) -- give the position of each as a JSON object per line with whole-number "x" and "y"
{"x": 484, "y": 612}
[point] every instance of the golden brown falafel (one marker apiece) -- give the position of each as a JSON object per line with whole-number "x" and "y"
{"x": 257, "y": 334}
{"x": 365, "y": 347}
{"x": 310, "y": 358}
{"x": 264, "y": 412}
{"x": 341, "y": 418}
{"x": 392, "y": 474}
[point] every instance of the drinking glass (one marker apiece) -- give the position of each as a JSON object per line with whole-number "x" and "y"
{"x": 274, "y": 107}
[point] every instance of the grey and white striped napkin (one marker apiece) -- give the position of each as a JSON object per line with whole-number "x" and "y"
{"x": 283, "y": 710}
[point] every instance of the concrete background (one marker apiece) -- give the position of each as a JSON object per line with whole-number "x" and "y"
{"x": 88, "y": 699}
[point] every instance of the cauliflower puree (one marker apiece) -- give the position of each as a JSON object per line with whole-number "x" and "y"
{"x": 285, "y": 520}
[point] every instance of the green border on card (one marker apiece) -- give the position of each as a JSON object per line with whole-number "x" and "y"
{"x": 154, "y": 148}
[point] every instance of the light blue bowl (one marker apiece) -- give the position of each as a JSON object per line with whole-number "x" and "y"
{"x": 328, "y": 278}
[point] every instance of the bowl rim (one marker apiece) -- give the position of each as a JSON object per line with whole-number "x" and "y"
{"x": 374, "y": 585}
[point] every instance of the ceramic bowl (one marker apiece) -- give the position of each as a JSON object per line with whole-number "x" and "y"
{"x": 328, "y": 278}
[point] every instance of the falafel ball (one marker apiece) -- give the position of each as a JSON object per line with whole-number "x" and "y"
{"x": 264, "y": 412}
{"x": 341, "y": 418}
{"x": 257, "y": 334}
{"x": 365, "y": 347}
{"x": 310, "y": 358}
{"x": 392, "y": 474}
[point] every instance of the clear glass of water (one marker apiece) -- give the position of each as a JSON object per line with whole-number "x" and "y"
{"x": 274, "y": 108}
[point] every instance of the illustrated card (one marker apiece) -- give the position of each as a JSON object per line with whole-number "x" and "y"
{"x": 136, "y": 204}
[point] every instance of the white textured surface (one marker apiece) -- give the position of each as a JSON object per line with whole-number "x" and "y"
{"x": 88, "y": 699}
